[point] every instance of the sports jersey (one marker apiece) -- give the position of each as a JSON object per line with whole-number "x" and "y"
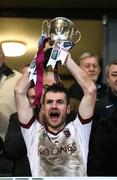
{"x": 61, "y": 154}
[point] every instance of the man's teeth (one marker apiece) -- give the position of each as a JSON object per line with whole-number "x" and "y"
{"x": 54, "y": 114}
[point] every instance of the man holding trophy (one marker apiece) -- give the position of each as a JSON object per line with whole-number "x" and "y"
{"x": 58, "y": 148}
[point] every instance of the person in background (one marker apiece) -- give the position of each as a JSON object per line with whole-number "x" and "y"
{"x": 14, "y": 144}
{"x": 13, "y": 153}
{"x": 103, "y": 110}
{"x": 106, "y": 146}
{"x": 44, "y": 143}
{"x": 90, "y": 63}
{"x": 8, "y": 81}
{"x": 108, "y": 103}
{"x": 6, "y": 165}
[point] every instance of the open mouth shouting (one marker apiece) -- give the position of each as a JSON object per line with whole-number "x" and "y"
{"x": 54, "y": 115}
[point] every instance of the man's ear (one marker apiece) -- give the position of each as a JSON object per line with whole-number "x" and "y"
{"x": 68, "y": 108}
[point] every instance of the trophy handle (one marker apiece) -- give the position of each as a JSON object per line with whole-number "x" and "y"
{"x": 45, "y": 23}
{"x": 77, "y": 33}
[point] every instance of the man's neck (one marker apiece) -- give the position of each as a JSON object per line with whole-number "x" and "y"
{"x": 55, "y": 130}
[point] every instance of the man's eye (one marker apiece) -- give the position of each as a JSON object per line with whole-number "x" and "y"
{"x": 48, "y": 102}
{"x": 114, "y": 74}
{"x": 87, "y": 66}
{"x": 61, "y": 102}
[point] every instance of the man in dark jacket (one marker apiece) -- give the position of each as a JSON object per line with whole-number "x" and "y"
{"x": 104, "y": 109}
{"x": 15, "y": 148}
{"x": 106, "y": 146}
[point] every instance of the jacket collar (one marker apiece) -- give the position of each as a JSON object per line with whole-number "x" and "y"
{"x": 5, "y": 70}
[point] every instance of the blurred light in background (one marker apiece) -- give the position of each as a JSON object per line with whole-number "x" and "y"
{"x": 14, "y": 48}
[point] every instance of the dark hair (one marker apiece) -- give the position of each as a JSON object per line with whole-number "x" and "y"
{"x": 113, "y": 62}
{"x": 56, "y": 88}
{"x": 32, "y": 84}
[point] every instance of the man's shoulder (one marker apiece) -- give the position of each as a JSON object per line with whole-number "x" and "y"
{"x": 14, "y": 115}
{"x": 14, "y": 118}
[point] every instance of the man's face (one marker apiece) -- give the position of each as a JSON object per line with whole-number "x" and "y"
{"x": 91, "y": 67}
{"x": 112, "y": 78}
{"x": 55, "y": 109}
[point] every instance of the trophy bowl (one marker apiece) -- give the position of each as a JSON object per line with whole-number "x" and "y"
{"x": 61, "y": 29}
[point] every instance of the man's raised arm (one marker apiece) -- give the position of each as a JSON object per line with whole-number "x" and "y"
{"x": 24, "y": 108}
{"x": 86, "y": 107}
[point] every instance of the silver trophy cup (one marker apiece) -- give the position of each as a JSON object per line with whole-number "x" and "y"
{"x": 61, "y": 29}
{"x": 62, "y": 37}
